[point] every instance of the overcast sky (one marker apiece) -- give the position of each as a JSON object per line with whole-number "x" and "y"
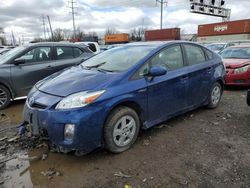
{"x": 24, "y": 17}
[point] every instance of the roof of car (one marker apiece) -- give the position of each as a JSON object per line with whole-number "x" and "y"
{"x": 55, "y": 44}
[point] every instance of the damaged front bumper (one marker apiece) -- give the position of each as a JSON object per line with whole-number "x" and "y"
{"x": 51, "y": 123}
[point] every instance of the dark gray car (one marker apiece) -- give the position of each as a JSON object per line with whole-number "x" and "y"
{"x": 23, "y": 66}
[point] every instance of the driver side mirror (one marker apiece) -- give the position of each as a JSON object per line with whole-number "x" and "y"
{"x": 19, "y": 61}
{"x": 155, "y": 71}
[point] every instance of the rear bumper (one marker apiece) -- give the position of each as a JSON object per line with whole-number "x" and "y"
{"x": 88, "y": 126}
{"x": 238, "y": 79}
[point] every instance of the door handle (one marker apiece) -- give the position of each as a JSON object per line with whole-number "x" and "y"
{"x": 184, "y": 79}
{"x": 49, "y": 67}
{"x": 209, "y": 70}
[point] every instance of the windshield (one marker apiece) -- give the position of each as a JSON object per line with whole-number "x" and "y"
{"x": 215, "y": 47}
{"x": 8, "y": 55}
{"x": 236, "y": 53}
{"x": 118, "y": 59}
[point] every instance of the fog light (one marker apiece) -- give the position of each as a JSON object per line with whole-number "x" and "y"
{"x": 69, "y": 131}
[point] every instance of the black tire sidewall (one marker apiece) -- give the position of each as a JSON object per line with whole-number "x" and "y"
{"x": 114, "y": 116}
{"x": 248, "y": 97}
{"x": 8, "y": 97}
{"x": 210, "y": 103}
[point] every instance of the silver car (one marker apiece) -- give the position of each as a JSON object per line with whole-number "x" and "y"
{"x": 23, "y": 66}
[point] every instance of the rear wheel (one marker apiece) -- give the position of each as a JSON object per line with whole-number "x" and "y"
{"x": 121, "y": 129}
{"x": 215, "y": 96}
{"x": 4, "y": 97}
{"x": 248, "y": 97}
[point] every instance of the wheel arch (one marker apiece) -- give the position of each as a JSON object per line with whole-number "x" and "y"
{"x": 9, "y": 88}
{"x": 130, "y": 104}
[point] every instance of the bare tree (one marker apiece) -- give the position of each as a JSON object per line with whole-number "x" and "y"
{"x": 58, "y": 35}
{"x": 137, "y": 34}
{"x": 110, "y": 31}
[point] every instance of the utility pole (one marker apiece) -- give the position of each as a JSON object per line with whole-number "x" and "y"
{"x": 44, "y": 31}
{"x": 73, "y": 12}
{"x": 162, "y": 2}
{"x": 51, "y": 31}
{"x": 13, "y": 38}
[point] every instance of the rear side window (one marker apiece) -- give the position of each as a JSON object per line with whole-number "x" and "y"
{"x": 92, "y": 47}
{"x": 77, "y": 52}
{"x": 210, "y": 54}
{"x": 64, "y": 53}
{"x": 195, "y": 54}
{"x": 170, "y": 58}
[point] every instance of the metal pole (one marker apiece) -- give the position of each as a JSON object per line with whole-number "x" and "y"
{"x": 73, "y": 16}
{"x": 44, "y": 32}
{"x": 161, "y": 12}
{"x": 52, "y": 35}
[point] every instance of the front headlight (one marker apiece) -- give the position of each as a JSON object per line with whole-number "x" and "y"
{"x": 242, "y": 69}
{"x": 78, "y": 100}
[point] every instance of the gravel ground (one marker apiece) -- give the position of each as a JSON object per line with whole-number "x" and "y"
{"x": 203, "y": 148}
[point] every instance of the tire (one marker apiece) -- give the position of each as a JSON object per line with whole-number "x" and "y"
{"x": 215, "y": 96}
{"x": 248, "y": 97}
{"x": 121, "y": 129}
{"x": 4, "y": 97}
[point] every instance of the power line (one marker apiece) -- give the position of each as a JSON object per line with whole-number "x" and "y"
{"x": 162, "y": 2}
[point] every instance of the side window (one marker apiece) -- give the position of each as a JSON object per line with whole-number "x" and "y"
{"x": 210, "y": 54}
{"x": 77, "y": 52}
{"x": 195, "y": 54}
{"x": 170, "y": 58}
{"x": 37, "y": 54}
{"x": 64, "y": 53}
{"x": 92, "y": 47}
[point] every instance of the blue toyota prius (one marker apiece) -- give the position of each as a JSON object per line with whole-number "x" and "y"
{"x": 106, "y": 100}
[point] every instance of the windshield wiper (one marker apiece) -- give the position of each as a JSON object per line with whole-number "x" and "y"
{"x": 95, "y": 66}
{"x": 104, "y": 70}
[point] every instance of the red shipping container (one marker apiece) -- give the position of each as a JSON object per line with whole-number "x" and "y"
{"x": 163, "y": 34}
{"x": 225, "y": 28}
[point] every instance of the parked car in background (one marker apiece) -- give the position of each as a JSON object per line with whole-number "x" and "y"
{"x": 248, "y": 97}
{"x": 108, "y": 98}
{"x": 23, "y": 66}
{"x": 3, "y": 51}
{"x": 237, "y": 62}
{"x": 93, "y": 46}
{"x": 218, "y": 47}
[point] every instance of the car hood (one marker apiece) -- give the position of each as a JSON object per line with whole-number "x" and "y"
{"x": 75, "y": 79}
{"x": 235, "y": 63}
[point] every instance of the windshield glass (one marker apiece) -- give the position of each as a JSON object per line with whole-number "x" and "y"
{"x": 236, "y": 53}
{"x": 8, "y": 55}
{"x": 215, "y": 47}
{"x": 118, "y": 59}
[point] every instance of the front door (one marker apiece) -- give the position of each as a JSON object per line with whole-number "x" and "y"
{"x": 38, "y": 65}
{"x": 167, "y": 93}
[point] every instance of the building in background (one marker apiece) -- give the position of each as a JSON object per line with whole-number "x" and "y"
{"x": 224, "y": 31}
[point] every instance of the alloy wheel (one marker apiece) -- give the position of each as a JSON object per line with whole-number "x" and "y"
{"x": 216, "y": 94}
{"x": 124, "y": 130}
{"x": 3, "y": 97}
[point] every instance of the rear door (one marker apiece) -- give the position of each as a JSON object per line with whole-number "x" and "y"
{"x": 167, "y": 94}
{"x": 38, "y": 64}
{"x": 200, "y": 70}
{"x": 67, "y": 56}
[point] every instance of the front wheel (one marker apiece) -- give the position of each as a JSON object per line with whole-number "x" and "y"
{"x": 215, "y": 96}
{"x": 121, "y": 129}
{"x": 4, "y": 97}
